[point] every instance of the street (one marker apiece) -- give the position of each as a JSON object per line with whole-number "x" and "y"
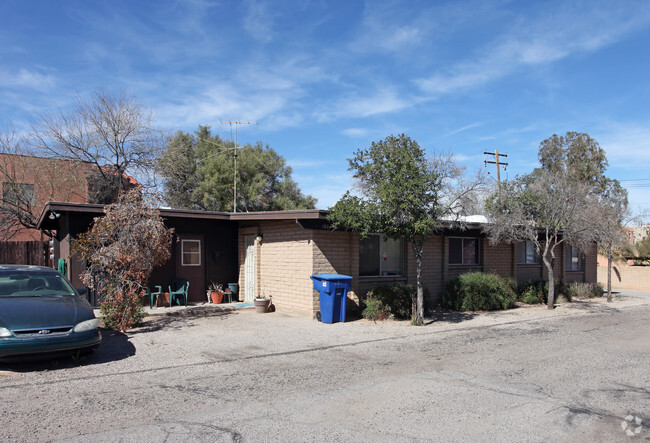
{"x": 579, "y": 373}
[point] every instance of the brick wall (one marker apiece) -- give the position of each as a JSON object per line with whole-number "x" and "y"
{"x": 625, "y": 276}
{"x": 499, "y": 259}
{"x": 284, "y": 263}
{"x": 53, "y": 180}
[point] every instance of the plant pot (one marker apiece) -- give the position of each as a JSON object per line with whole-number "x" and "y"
{"x": 216, "y": 297}
{"x": 262, "y": 304}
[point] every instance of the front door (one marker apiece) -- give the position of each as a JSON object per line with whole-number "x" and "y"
{"x": 249, "y": 268}
{"x": 190, "y": 264}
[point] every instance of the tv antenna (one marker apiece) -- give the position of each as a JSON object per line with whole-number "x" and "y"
{"x": 234, "y": 181}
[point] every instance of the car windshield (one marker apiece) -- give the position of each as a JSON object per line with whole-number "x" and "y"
{"x": 23, "y": 284}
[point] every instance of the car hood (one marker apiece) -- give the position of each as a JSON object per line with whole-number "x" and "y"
{"x": 44, "y": 311}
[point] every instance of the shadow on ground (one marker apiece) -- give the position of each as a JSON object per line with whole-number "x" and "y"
{"x": 178, "y": 320}
{"x": 448, "y": 316}
{"x": 115, "y": 346}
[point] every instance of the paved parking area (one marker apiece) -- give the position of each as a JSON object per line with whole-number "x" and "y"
{"x": 572, "y": 374}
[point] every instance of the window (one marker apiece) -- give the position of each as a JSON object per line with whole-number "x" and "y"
{"x": 463, "y": 251}
{"x": 527, "y": 253}
{"x": 191, "y": 252}
{"x": 575, "y": 260}
{"x": 18, "y": 194}
{"x": 379, "y": 256}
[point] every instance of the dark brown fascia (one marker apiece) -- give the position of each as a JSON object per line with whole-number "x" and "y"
{"x": 86, "y": 208}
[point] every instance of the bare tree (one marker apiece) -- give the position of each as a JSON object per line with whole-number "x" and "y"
{"x": 112, "y": 132}
{"x": 547, "y": 209}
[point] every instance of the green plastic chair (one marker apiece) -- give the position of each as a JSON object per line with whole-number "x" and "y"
{"x": 153, "y": 295}
{"x": 177, "y": 290}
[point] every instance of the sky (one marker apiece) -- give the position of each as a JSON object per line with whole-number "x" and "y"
{"x": 325, "y": 78}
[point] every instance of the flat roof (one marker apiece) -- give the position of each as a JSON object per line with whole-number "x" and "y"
{"x": 45, "y": 222}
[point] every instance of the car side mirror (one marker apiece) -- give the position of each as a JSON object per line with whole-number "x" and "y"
{"x": 81, "y": 291}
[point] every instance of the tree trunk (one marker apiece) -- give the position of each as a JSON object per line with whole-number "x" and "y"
{"x": 609, "y": 275}
{"x": 418, "y": 249}
{"x": 551, "y": 277}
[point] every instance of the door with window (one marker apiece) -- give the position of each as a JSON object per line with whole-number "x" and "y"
{"x": 249, "y": 268}
{"x": 190, "y": 264}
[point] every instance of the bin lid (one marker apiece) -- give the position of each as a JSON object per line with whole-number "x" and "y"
{"x": 330, "y": 277}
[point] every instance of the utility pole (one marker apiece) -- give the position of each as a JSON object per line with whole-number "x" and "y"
{"x": 234, "y": 181}
{"x": 496, "y": 162}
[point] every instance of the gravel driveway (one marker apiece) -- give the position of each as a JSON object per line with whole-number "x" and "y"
{"x": 574, "y": 374}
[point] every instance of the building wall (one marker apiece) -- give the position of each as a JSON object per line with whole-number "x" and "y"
{"x": 53, "y": 180}
{"x": 289, "y": 254}
{"x": 284, "y": 262}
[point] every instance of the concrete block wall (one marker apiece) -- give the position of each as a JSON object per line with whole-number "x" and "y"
{"x": 337, "y": 253}
{"x": 500, "y": 259}
{"x": 285, "y": 260}
{"x": 625, "y": 276}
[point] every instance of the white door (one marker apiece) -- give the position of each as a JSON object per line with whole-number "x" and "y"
{"x": 249, "y": 268}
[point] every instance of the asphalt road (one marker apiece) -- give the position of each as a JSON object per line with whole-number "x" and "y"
{"x": 573, "y": 374}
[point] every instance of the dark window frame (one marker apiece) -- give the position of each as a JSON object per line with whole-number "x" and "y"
{"x": 453, "y": 254}
{"x": 376, "y": 261}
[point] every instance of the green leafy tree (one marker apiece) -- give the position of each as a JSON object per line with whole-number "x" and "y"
{"x": 547, "y": 208}
{"x": 401, "y": 196}
{"x": 199, "y": 173}
{"x": 584, "y": 160}
{"x": 121, "y": 250}
{"x": 579, "y": 155}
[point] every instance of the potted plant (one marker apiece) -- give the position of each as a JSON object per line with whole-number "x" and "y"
{"x": 216, "y": 292}
{"x": 262, "y": 303}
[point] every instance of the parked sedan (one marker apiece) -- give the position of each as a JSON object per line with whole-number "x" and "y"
{"x": 41, "y": 315}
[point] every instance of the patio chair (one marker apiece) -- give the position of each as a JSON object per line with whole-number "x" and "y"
{"x": 177, "y": 290}
{"x": 153, "y": 295}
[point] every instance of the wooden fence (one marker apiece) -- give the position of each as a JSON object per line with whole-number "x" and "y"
{"x": 24, "y": 253}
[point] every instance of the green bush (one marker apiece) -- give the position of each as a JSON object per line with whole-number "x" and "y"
{"x": 533, "y": 292}
{"x": 374, "y": 309}
{"x": 479, "y": 292}
{"x": 396, "y": 299}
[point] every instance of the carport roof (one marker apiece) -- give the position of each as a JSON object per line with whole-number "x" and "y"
{"x": 48, "y": 216}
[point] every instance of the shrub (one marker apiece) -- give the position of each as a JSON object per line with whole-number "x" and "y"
{"x": 479, "y": 292}
{"x": 374, "y": 309}
{"x": 585, "y": 290}
{"x": 533, "y": 292}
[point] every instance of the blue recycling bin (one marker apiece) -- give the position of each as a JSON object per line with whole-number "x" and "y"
{"x": 333, "y": 290}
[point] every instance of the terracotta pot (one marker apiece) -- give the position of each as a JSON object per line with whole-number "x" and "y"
{"x": 216, "y": 297}
{"x": 262, "y": 304}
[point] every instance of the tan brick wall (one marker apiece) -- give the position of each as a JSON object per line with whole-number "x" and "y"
{"x": 626, "y": 277}
{"x": 285, "y": 259}
{"x": 337, "y": 253}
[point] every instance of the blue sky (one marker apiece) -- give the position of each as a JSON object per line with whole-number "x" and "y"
{"x": 324, "y": 78}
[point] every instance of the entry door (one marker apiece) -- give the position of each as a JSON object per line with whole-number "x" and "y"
{"x": 190, "y": 264}
{"x": 249, "y": 268}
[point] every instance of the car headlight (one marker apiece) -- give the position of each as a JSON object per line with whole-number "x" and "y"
{"x": 4, "y": 332}
{"x": 87, "y": 325}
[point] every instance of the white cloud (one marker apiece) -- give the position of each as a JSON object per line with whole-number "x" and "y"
{"x": 355, "y": 132}
{"x": 381, "y": 101}
{"x": 259, "y": 21}
{"x": 25, "y": 78}
{"x": 541, "y": 40}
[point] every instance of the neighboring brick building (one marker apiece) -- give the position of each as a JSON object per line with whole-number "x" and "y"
{"x": 275, "y": 253}
{"x": 30, "y": 182}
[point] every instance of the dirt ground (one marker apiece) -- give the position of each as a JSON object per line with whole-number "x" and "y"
{"x": 576, "y": 373}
